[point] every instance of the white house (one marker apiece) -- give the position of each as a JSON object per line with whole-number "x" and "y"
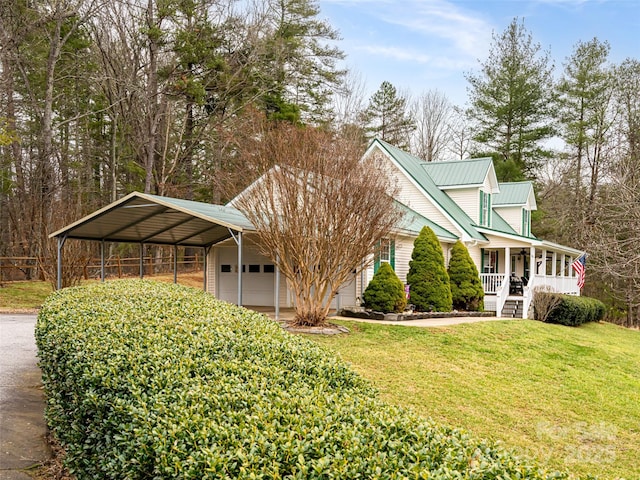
{"x": 459, "y": 199}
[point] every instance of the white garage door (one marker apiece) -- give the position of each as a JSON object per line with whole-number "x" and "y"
{"x": 258, "y": 277}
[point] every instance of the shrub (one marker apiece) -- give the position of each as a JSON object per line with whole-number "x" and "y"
{"x": 160, "y": 381}
{"x": 466, "y": 288}
{"x": 545, "y": 300}
{"x": 574, "y": 311}
{"x": 385, "y": 292}
{"x": 428, "y": 277}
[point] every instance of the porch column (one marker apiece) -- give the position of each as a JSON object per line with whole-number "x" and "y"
{"x": 507, "y": 262}
{"x": 554, "y": 262}
{"x": 544, "y": 263}
{"x": 562, "y": 265}
{"x": 532, "y": 262}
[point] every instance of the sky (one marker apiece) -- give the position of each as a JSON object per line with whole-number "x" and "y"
{"x": 421, "y": 45}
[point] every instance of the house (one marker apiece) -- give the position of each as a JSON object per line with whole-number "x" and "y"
{"x": 459, "y": 199}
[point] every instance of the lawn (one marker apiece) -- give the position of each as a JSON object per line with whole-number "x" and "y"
{"x": 567, "y": 396}
{"x": 28, "y": 296}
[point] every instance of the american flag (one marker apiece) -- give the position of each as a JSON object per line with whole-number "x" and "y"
{"x": 578, "y": 265}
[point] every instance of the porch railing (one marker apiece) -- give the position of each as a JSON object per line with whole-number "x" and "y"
{"x": 491, "y": 282}
{"x": 567, "y": 285}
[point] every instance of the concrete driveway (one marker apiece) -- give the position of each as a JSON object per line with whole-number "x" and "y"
{"x": 23, "y": 445}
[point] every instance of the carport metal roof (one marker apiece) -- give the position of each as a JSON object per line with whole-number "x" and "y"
{"x": 144, "y": 218}
{"x": 150, "y": 219}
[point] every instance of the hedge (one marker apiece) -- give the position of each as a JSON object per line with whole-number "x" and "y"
{"x": 160, "y": 381}
{"x": 573, "y": 310}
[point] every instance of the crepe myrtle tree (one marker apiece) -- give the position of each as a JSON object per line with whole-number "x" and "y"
{"x": 319, "y": 210}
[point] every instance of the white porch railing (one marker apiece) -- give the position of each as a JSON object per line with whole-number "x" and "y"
{"x": 568, "y": 285}
{"x": 491, "y": 282}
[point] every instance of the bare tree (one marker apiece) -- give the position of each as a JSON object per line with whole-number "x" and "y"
{"x": 433, "y": 113}
{"x": 319, "y": 212}
{"x": 460, "y": 134}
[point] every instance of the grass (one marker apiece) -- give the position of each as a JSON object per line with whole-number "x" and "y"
{"x": 567, "y": 396}
{"x": 28, "y": 296}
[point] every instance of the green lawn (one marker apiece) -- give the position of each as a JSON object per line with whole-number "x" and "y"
{"x": 23, "y": 296}
{"x": 567, "y": 396}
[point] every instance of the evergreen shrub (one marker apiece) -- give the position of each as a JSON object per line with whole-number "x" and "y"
{"x": 385, "y": 292}
{"x": 148, "y": 380}
{"x": 573, "y": 311}
{"x": 466, "y": 288}
{"x": 428, "y": 277}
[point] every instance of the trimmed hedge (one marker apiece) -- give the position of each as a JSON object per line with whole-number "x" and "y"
{"x": 573, "y": 311}
{"x": 161, "y": 381}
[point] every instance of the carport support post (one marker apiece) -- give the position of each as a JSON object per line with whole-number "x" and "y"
{"x": 277, "y": 294}
{"x": 239, "y": 269}
{"x": 204, "y": 267}
{"x": 175, "y": 264}
{"x": 141, "y": 260}
{"x": 61, "y": 241}
{"x": 102, "y": 261}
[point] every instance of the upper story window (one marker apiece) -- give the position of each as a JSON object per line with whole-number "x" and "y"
{"x": 526, "y": 222}
{"x": 385, "y": 254}
{"x": 485, "y": 209}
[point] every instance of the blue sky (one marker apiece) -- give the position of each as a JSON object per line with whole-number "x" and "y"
{"x": 429, "y": 44}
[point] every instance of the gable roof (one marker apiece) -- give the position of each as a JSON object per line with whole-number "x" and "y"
{"x": 145, "y": 218}
{"x": 459, "y": 173}
{"x": 413, "y": 167}
{"x": 513, "y": 194}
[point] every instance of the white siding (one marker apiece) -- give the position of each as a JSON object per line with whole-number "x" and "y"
{"x": 513, "y": 216}
{"x": 410, "y": 195}
{"x": 468, "y": 199}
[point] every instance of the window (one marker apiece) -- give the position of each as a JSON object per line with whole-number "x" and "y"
{"x": 386, "y": 253}
{"x": 385, "y": 250}
{"x": 254, "y": 268}
{"x": 485, "y": 209}
{"x": 269, "y": 268}
{"x": 225, "y": 268}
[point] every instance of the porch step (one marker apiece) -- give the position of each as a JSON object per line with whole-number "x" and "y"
{"x": 512, "y": 308}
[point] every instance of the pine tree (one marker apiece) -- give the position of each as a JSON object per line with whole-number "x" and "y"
{"x": 466, "y": 288}
{"x": 512, "y": 99}
{"x": 428, "y": 277}
{"x": 387, "y": 117}
{"x": 385, "y": 292}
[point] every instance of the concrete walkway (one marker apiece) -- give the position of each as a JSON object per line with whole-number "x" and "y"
{"x": 23, "y": 445}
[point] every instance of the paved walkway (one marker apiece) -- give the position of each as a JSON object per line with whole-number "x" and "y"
{"x": 22, "y": 427}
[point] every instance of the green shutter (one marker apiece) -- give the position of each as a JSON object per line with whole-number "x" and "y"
{"x": 482, "y": 260}
{"x": 376, "y": 258}
{"x": 488, "y": 210}
{"x": 392, "y": 253}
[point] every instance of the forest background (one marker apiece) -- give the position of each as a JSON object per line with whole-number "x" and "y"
{"x": 171, "y": 97}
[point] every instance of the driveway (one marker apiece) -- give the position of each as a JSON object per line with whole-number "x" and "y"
{"x": 22, "y": 428}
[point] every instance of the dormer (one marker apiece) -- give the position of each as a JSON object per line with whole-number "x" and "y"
{"x": 470, "y": 183}
{"x": 514, "y": 204}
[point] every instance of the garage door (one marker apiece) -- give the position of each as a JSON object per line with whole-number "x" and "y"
{"x": 258, "y": 277}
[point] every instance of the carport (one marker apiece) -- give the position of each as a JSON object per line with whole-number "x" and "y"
{"x": 151, "y": 219}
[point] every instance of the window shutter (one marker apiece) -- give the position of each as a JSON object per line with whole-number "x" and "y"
{"x": 488, "y": 210}
{"x": 482, "y": 260}
{"x": 376, "y": 258}
{"x": 392, "y": 253}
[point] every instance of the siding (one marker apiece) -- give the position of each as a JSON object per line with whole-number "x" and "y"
{"x": 513, "y": 216}
{"x": 468, "y": 199}
{"x": 413, "y": 197}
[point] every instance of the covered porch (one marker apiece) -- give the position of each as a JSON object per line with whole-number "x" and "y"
{"x": 510, "y": 274}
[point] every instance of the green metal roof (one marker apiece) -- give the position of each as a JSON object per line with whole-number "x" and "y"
{"x": 458, "y": 172}
{"x": 413, "y": 166}
{"x": 513, "y": 194}
{"x": 145, "y": 218}
{"x": 500, "y": 224}
{"x": 413, "y": 222}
